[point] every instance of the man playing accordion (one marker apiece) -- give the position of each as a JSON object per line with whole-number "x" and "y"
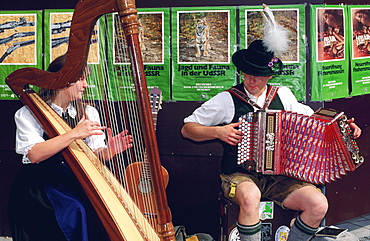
{"x": 218, "y": 118}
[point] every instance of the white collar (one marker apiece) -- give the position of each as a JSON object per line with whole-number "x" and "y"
{"x": 70, "y": 109}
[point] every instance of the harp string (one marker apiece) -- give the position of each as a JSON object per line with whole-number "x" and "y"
{"x": 112, "y": 92}
{"x": 113, "y": 208}
{"x": 137, "y": 177}
{"x": 140, "y": 178}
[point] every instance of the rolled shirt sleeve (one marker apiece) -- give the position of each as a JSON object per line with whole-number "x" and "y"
{"x": 217, "y": 110}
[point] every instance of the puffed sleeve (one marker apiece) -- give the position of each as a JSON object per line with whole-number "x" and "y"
{"x": 29, "y": 132}
{"x": 291, "y": 103}
{"x": 217, "y": 110}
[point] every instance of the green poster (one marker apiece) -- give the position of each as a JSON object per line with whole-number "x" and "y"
{"x": 203, "y": 40}
{"x": 359, "y": 22}
{"x": 155, "y": 45}
{"x": 329, "y": 52}
{"x": 20, "y": 45}
{"x": 57, "y": 24}
{"x": 292, "y": 18}
{"x": 154, "y": 40}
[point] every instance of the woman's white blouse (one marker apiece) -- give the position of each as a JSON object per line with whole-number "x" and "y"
{"x": 29, "y": 131}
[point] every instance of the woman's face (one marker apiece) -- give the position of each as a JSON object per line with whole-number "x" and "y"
{"x": 75, "y": 91}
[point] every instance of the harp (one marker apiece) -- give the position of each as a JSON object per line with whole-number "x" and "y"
{"x": 119, "y": 214}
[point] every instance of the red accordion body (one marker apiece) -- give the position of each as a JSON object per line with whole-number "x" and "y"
{"x": 318, "y": 149}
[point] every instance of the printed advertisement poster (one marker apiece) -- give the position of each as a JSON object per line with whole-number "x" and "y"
{"x": 329, "y": 53}
{"x": 292, "y": 18}
{"x": 154, "y": 40}
{"x": 360, "y": 48}
{"x": 57, "y": 26}
{"x": 203, "y": 40}
{"x": 20, "y": 45}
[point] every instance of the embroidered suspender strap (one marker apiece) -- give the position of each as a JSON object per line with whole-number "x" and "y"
{"x": 271, "y": 93}
{"x": 242, "y": 96}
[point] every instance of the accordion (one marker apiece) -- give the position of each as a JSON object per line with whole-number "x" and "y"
{"x": 318, "y": 149}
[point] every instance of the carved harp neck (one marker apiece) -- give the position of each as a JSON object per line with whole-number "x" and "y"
{"x": 84, "y": 18}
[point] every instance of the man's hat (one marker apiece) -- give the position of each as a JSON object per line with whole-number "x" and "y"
{"x": 259, "y": 58}
{"x": 256, "y": 60}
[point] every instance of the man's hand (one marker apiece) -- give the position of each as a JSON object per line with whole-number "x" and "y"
{"x": 225, "y": 133}
{"x": 356, "y": 130}
{"x": 230, "y": 134}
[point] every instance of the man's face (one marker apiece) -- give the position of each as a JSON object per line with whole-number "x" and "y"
{"x": 255, "y": 84}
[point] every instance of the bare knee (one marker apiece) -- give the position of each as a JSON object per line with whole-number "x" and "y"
{"x": 248, "y": 197}
{"x": 318, "y": 207}
{"x": 315, "y": 212}
{"x": 311, "y": 202}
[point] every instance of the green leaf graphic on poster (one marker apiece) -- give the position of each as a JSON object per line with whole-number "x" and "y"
{"x": 359, "y": 22}
{"x": 20, "y": 45}
{"x": 292, "y": 18}
{"x": 203, "y": 40}
{"x": 329, "y": 53}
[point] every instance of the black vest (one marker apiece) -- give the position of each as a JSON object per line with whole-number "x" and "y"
{"x": 58, "y": 157}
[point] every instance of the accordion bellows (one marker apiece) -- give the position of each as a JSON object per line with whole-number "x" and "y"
{"x": 318, "y": 149}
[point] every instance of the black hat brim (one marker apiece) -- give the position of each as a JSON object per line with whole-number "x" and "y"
{"x": 240, "y": 61}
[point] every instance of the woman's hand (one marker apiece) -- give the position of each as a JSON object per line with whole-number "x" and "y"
{"x": 44, "y": 150}
{"x": 86, "y": 128}
{"x": 118, "y": 143}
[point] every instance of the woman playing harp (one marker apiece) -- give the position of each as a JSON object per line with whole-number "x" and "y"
{"x": 47, "y": 202}
{"x": 104, "y": 182}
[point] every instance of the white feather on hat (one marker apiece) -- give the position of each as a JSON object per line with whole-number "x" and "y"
{"x": 275, "y": 37}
